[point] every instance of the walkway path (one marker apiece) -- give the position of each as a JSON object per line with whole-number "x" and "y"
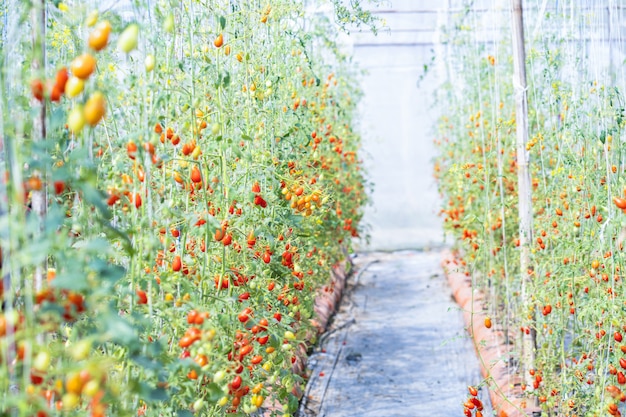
{"x": 397, "y": 347}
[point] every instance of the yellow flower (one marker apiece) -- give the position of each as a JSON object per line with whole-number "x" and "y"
{"x": 63, "y": 7}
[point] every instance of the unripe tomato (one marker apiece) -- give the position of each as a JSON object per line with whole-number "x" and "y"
{"x": 91, "y": 388}
{"x": 41, "y": 362}
{"x": 92, "y": 18}
{"x": 76, "y": 120}
{"x": 73, "y": 87}
{"x": 70, "y": 401}
{"x": 129, "y": 38}
{"x": 83, "y": 66}
{"x": 168, "y": 25}
{"x": 219, "y": 376}
{"x": 150, "y": 62}
{"x": 95, "y": 108}
{"x": 99, "y": 37}
{"x": 81, "y": 349}
{"x": 198, "y": 404}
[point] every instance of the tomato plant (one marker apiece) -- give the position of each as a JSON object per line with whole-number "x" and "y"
{"x": 152, "y": 261}
{"x": 572, "y": 306}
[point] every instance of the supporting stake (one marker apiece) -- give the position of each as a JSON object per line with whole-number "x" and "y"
{"x": 523, "y": 181}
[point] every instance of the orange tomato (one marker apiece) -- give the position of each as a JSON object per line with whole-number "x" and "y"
{"x": 99, "y": 37}
{"x": 83, "y": 66}
{"x": 95, "y": 108}
{"x": 219, "y": 41}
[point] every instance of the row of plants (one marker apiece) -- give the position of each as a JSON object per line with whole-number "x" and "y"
{"x": 178, "y": 180}
{"x": 573, "y": 306}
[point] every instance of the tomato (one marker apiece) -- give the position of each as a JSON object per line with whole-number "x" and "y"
{"x": 201, "y": 360}
{"x": 263, "y": 339}
{"x": 267, "y": 257}
{"x": 622, "y": 362}
{"x": 141, "y": 294}
{"x": 92, "y": 19}
{"x": 41, "y": 362}
{"x": 176, "y": 264}
{"x": 81, "y": 350}
{"x": 186, "y": 341}
{"x": 74, "y": 86}
{"x": 168, "y": 24}
{"x": 620, "y": 202}
{"x": 128, "y": 38}
{"x": 76, "y": 120}
{"x": 37, "y": 89}
{"x": 73, "y": 383}
{"x": 131, "y": 149}
{"x": 473, "y": 392}
{"x": 99, "y": 37}
{"x": 256, "y": 359}
{"x": 83, "y": 66}
{"x": 192, "y": 316}
{"x": 219, "y": 41}
{"x": 198, "y": 404}
{"x": 70, "y": 401}
{"x": 617, "y": 336}
{"x": 196, "y": 176}
{"x": 55, "y": 93}
{"x": 219, "y": 376}
{"x": 244, "y": 316}
{"x": 236, "y": 383}
{"x": 95, "y": 108}
{"x": 150, "y": 62}
{"x": 256, "y": 188}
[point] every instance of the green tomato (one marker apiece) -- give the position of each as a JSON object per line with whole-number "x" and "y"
{"x": 41, "y": 362}
{"x": 197, "y": 406}
{"x": 81, "y": 350}
{"x": 219, "y": 376}
{"x": 129, "y": 38}
{"x": 168, "y": 25}
{"x": 150, "y": 62}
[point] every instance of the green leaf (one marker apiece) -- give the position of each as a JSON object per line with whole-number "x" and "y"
{"x": 119, "y": 330}
{"x": 222, "y": 22}
{"x": 146, "y": 362}
{"x": 226, "y": 79}
{"x": 75, "y": 280}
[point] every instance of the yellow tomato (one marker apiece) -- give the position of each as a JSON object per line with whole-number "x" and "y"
{"x": 76, "y": 120}
{"x": 74, "y": 87}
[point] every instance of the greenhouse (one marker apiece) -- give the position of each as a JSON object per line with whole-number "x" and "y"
{"x": 312, "y": 208}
